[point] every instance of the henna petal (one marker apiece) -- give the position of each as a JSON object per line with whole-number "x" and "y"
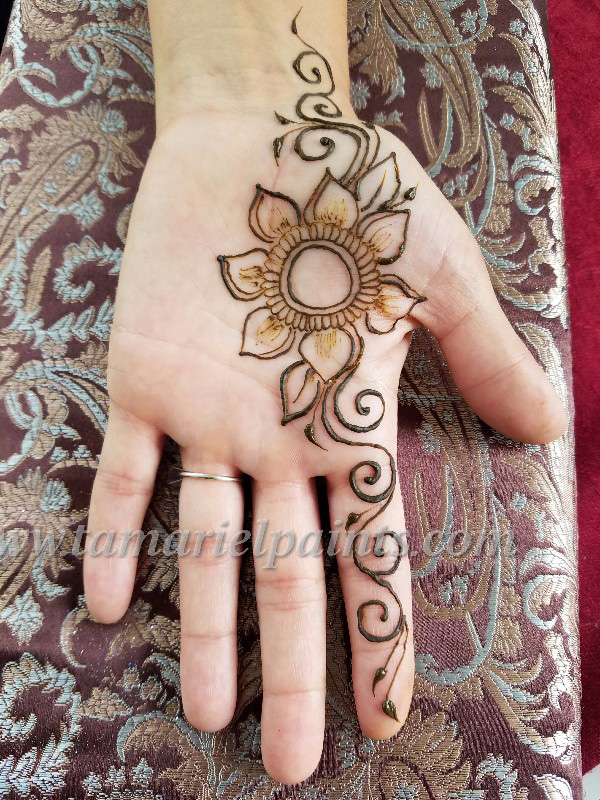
{"x": 328, "y": 352}
{"x": 379, "y": 186}
{"x": 395, "y": 300}
{"x": 243, "y": 274}
{"x": 272, "y": 214}
{"x": 264, "y": 335}
{"x": 332, "y": 202}
{"x": 386, "y": 233}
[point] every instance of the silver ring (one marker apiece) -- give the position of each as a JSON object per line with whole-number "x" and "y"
{"x": 205, "y": 476}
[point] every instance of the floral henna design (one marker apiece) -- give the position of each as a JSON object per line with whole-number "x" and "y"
{"x": 353, "y": 227}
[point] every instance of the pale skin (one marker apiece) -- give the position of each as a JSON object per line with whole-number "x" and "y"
{"x": 175, "y": 370}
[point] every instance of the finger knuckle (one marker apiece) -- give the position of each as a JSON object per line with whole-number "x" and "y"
{"x": 207, "y": 636}
{"x": 121, "y": 483}
{"x": 289, "y": 593}
{"x": 292, "y": 692}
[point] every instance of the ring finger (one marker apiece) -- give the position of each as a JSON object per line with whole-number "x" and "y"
{"x": 211, "y": 516}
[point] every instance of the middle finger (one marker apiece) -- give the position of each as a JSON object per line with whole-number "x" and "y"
{"x": 291, "y": 599}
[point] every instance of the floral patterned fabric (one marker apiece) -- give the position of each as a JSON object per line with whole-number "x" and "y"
{"x": 94, "y": 712}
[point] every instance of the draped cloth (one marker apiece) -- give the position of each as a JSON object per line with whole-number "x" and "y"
{"x": 89, "y": 711}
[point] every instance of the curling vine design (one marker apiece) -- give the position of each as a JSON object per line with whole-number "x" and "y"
{"x": 360, "y": 220}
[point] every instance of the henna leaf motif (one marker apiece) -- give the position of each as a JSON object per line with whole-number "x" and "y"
{"x": 380, "y": 185}
{"x": 300, "y": 391}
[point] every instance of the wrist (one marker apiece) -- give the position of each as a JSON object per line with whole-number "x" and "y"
{"x": 228, "y": 58}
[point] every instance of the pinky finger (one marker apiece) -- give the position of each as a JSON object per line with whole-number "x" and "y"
{"x": 122, "y": 490}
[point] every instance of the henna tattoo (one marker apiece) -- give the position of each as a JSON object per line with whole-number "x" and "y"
{"x": 359, "y": 221}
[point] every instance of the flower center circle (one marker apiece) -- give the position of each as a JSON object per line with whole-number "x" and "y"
{"x": 319, "y": 278}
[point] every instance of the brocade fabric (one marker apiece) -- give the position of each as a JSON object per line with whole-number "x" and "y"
{"x": 573, "y": 38}
{"x": 88, "y": 711}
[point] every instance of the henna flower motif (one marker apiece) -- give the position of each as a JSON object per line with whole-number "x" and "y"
{"x": 325, "y": 267}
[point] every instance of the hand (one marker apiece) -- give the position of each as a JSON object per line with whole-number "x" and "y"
{"x": 175, "y": 369}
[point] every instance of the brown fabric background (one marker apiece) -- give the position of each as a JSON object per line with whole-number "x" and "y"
{"x": 93, "y": 712}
